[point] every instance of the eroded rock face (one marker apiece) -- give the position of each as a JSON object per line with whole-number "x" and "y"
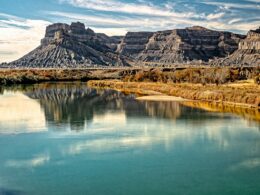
{"x": 71, "y": 46}
{"x": 179, "y": 46}
{"x": 134, "y": 43}
{"x": 51, "y": 30}
{"x": 111, "y": 42}
{"x": 252, "y": 41}
{"x": 75, "y": 46}
{"x": 248, "y": 52}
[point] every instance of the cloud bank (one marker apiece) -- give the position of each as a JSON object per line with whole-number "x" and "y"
{"x": 19, "y": 36}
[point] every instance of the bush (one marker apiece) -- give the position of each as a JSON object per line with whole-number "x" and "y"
{"x": 257, "y": 80}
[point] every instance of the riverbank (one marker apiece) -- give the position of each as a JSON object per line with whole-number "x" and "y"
{"x": 223, "y": 85}
{"x": 242, "y": 94}
{"x": 203, "y": 75}
{"x": 161, "y": 98}
{"x": 250, "y": 114}
{"x": 30, "y": 76}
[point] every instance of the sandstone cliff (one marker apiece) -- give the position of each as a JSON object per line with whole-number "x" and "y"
{"x": 75, "y": 46}
{"x": 178, "y": 46}
{"x": 71, "y": 46}
{"x": 248, "y": 52}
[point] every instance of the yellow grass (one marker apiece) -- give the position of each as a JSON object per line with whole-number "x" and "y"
{"x": 243, "y": 95}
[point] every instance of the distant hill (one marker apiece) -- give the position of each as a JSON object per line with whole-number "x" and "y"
{"x": 75, "y": 46}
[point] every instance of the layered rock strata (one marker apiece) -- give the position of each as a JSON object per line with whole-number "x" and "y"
{"x": 75, "y": 46}
{"x": 71, "y": 46}
{"x": 248, "y": 53}
{"x": 179, "y": 46}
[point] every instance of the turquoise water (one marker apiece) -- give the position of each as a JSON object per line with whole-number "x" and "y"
{"x": 69, "y": 139}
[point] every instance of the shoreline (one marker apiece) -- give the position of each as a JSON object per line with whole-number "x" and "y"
{"x": 161, "y": 98}
{"x": 221, "y": 85}
{"x": 191, "y": 74}
{"x": 243, "y": 95}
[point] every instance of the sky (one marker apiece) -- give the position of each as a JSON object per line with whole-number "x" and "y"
{"x": 23, "y": 22}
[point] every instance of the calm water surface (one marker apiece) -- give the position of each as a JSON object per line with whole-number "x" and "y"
{"x": 70, "y": 139}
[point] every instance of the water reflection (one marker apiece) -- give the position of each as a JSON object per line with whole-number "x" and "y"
{"x": 29, "y": 163}
{"x": 1, "y": 90}
{"x": 4, "y": 191}
{"x": 20, "y": 114}
{"x": 74, "y": 106}
{"x": 110, "y": 141}
{"x": 246, "y": 164}
{"x": 77, "y": 105}
{"x": 251, "y": 114}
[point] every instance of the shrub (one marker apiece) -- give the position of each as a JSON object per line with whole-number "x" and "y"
{"x": 257, "y": 80}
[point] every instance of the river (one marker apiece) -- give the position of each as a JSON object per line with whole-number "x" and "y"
{"x": 67, "y": 138}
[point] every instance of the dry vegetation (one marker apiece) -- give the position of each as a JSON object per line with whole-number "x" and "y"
{"x": 22, "y": 76}
{"x": 243, "y": 94}
{"x": 194, "y": 75}
{"x": 170, "y": 75}
{"x": 33, "y": 75}
{"x": 228, "y": 85}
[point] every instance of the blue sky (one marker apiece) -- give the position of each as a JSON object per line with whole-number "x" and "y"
{"x": 23, "y": 22}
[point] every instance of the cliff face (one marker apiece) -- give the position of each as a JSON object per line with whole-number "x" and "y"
{"x": 71, "y": 46}
{"x": 178, "y": 46}
{"x": 248, "y": 52}
{"x": 75, "y": 46}
{"x": 134, "y": 43}
{"x": 252, "y": 41}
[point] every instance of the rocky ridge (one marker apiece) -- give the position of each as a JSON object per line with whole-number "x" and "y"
{"x": 74, "y": 46}
{"x": 179, "y": 45}
{"x": 248, "y": 53}
{"x": 71, "y": 46}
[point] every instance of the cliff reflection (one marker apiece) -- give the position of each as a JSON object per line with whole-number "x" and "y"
{"x": 112, "y": 119}
{"x": 74, "y": 106}
{"x": 1, "y": 90}
{"x": 77, "y": 105}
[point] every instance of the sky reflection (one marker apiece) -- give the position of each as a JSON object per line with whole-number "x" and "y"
{"x": 20, "y": 114}
{"x": 36, "y": 161}
{"x": 106, "y": 140}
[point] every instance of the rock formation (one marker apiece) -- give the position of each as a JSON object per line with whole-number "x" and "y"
{"x": 248, "y": 53}
{"x": 178, "y": 46}
{"x": 75, "y": 46}
{"x": 71, "y": 46}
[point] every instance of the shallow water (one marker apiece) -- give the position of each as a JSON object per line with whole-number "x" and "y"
{"x": 69, "y": 139}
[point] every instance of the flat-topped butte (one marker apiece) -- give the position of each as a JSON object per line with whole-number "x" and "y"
{"x": 74, "y": 46}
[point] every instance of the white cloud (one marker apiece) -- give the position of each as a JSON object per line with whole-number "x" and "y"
{"x": 130, "y": 8}
{"x": 135, "y": 23}
{"x": 111, "y": 31}
{"x": 215, "y": 16}
{"x": 19, "y": 36}
{"x": 255, "y": 1}
{"x": 234, "y": 5}
{"x": 122, "y": 24}
{"x": 145, "y": 16}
